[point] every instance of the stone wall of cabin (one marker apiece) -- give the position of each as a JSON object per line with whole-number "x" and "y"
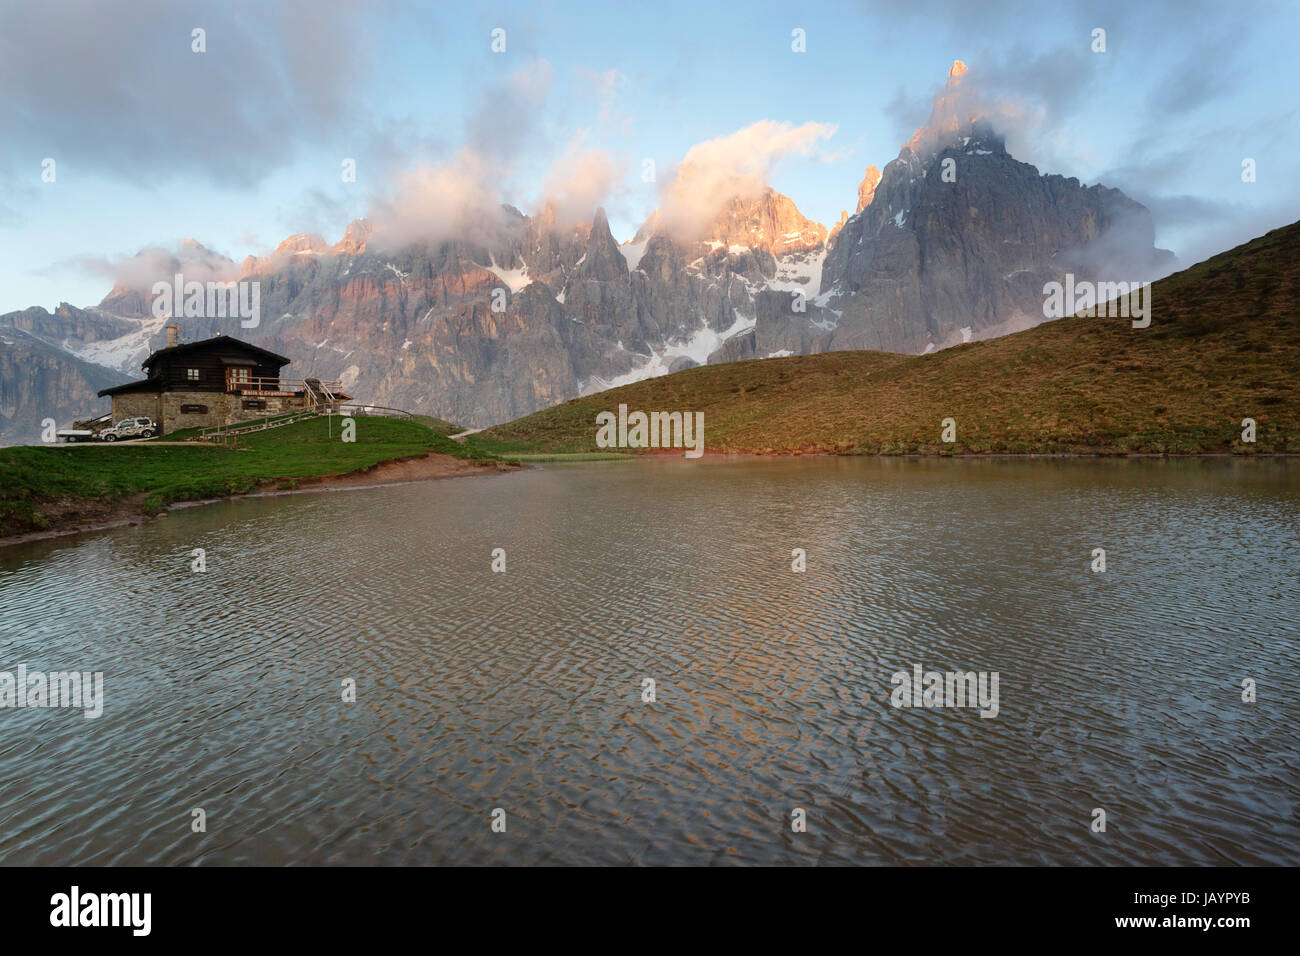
{"x": 221, "y": 408}
{"x": 136, "y": 405}
{"x": 275, "y": 405}
{"x": 216, "y": 407}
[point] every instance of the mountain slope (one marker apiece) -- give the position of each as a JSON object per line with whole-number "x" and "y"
{"x": 1223, "y": 345}
{"x": 39, "y": 381}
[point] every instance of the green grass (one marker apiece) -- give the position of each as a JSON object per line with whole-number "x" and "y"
{"x": 184, "y": 434}
{"x": 1223, "y": 345}
{"x": 32, "y": 478}
{"x": 438, "y": 425}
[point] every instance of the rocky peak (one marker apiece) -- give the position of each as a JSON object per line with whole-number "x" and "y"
{"x": 867, "y": 188}
{"x": 123, "y": 300}
{"x": 770, "y": 221}
{"x": 955, "y": 108}
{"x": 835, "y": 229}
{"x": 302, "y": 243}
{"x": 354, "y": 238}
{"x": 602, "y": 260}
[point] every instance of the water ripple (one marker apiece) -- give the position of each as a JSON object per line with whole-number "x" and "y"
{"x": 523, "y": 690}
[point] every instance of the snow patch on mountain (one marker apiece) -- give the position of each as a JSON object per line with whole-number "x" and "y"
{"x": 799, "y": 272}
{"x": 703, "y": 342}
{"x": 124, "y": 353}
{"x": 515, "y": 279}
{"x": 632, "y": 252}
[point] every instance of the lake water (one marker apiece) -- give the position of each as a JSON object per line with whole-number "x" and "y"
{"x": 1119, "y": 691}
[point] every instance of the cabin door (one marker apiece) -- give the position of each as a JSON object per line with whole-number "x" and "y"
{"x": 237, "y": 379}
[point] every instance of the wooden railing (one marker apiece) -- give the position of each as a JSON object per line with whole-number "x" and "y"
{"x": 323, "y": 401}
{"x": 383, "y": 411}
{"x": 228, "y": 433}
{"x": 280, "y": 386}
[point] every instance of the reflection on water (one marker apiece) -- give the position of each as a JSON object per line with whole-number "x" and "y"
{"x": 522, "y": 690}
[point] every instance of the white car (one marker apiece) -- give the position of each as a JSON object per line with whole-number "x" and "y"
{"x": 130, "y": 428}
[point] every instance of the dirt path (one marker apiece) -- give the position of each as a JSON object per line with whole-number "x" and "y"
{"x": 417, "y": 468}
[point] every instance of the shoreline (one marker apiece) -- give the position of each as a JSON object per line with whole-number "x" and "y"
{"x": 660, "y": 455}
{"x": 87, "y": 515}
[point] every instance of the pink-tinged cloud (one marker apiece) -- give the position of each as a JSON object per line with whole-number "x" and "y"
{"x": 738, "y": 166}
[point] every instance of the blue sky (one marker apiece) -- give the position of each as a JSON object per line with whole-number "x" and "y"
{"x": 241, "y": 146}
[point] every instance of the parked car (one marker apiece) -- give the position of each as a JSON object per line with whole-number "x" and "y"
{"x": 87, "y": 429}
{"x": 130, "y": 428}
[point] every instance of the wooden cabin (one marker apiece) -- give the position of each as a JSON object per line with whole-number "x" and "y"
{"x": 217, "y": 381}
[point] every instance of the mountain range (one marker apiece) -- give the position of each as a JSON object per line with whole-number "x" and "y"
{"x": 951, "y": 242}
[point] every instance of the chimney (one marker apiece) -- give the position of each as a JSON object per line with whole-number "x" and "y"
{"x": 171, "y": 335}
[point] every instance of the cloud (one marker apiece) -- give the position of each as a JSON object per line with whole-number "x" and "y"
{"x": 714, "y": 172}
{"x": 118, "y": 89}
{"x": 1026, "y": 98}
{"x": 580, "y": 181}
{"x": 454, "y": 199}
{"x": 460, "y": 197}
{"x": 1043, "y": 99}
{"x": 1160, "y": 171}
{"x": 507, "y": 117}
{"x": 319, "y": 211}
{"x": 152, "y": 264}
{"x": 1205, "y": 227}
{"x": 16, "y": 194}
{"x": 604, "y": 86}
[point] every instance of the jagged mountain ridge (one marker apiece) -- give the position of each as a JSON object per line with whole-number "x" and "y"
{"x": 923, "y": 263}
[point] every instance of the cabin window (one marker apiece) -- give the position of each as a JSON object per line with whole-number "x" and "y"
{"x": 194, "y": 409}
{"x": 192, "y": 374}
{"x": 255, "y": 403}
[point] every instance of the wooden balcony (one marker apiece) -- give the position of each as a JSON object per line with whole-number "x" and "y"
{"x": 288, "y": 387}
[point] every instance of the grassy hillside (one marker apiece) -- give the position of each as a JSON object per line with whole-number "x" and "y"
{"x": 37, "y": 482}
{"x": 438, "y": 425}
{"x": 1223, "y": 345}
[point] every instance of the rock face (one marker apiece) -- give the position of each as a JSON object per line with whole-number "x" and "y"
{"x": 770, "y": 222}
{"x": 965, "y": 238}
{"x": 480, "y": 333}
{"x": 867, "y": 188}
{"x": 40, "y": 381}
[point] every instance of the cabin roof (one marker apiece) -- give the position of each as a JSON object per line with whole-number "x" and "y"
{"x": 144, "y": 385}
{"x": 216, "y": 342}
